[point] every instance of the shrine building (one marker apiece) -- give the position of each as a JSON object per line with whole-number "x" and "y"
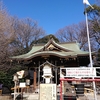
{"x": 55, "y": 55}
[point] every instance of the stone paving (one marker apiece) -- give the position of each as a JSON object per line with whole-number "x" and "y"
{"x": 88, "y": 96}
{"x": 34, "y": 96}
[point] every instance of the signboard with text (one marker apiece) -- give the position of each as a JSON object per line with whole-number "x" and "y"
{"x": 80, "y": 72}
{"x": 48, "y": 92}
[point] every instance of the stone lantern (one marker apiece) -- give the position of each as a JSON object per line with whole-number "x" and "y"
{"x": 47, "y": 73}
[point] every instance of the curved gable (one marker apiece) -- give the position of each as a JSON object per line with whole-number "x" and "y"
{"x": 53, "y": 46}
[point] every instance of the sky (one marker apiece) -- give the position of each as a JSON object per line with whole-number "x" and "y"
{"x": 51, "y": 15}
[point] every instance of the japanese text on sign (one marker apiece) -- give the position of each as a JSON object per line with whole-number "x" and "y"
{"x": 79, "y": 72}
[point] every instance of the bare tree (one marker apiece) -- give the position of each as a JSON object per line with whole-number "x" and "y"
{"x": 94, "y": 19}
{"x": 16, "y": 35}
{"x": 25, "y": 31}
{"x": 76, "y": 32}
{"x": 6, "y": 35}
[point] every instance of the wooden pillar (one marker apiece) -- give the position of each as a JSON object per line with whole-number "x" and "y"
{"x": 34, "y": 83}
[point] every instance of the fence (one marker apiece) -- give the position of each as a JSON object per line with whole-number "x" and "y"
{"x": 73, "y": 83}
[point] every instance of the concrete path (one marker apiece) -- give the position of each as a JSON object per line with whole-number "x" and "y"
{"x": 31, "y": 96}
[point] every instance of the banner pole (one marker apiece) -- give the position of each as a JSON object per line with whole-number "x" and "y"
{"x": 90, "y": 55}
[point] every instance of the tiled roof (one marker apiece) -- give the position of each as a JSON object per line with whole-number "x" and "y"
{"x": 64, "y": 50}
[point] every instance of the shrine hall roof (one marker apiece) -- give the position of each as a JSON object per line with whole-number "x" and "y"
{"x": 69, "y": 49}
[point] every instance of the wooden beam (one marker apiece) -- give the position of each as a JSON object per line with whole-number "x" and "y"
{"x": 34, "y": 83}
